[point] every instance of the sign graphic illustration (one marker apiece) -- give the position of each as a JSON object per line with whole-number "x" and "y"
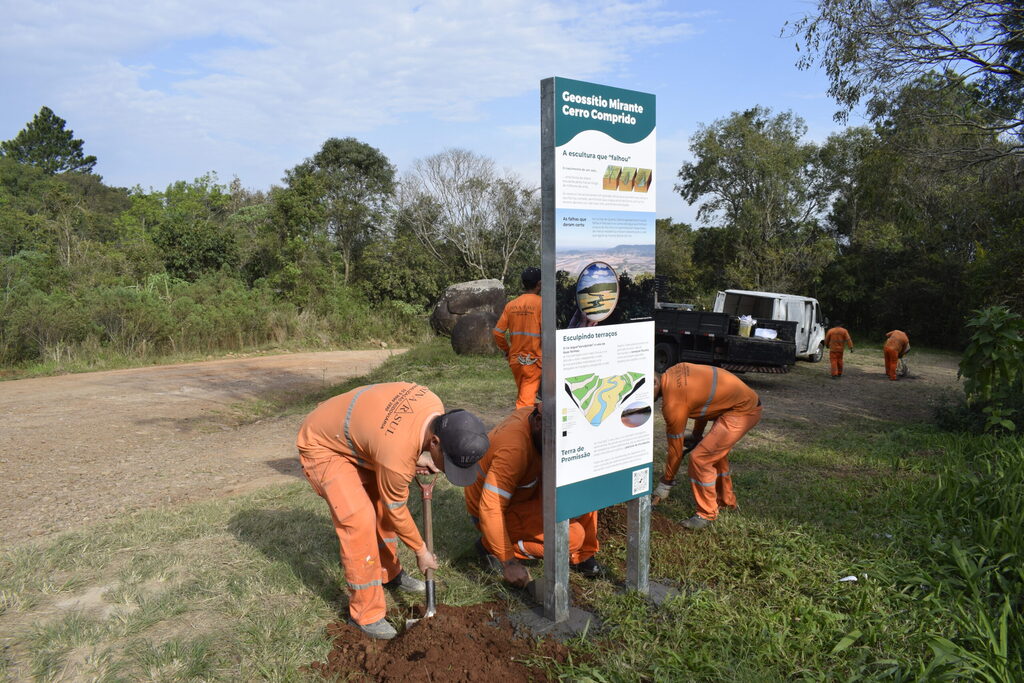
{"x": 598, "y": 397}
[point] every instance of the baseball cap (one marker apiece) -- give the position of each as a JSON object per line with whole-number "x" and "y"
{"x": 463, "y": 442}
{"x": 531, "y": 276}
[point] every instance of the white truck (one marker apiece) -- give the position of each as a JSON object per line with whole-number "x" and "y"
{"x": 793, "y": 325}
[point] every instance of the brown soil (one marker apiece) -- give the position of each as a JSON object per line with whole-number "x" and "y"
{"x": 77, "y": 449}
{"x": 471, "y": 644}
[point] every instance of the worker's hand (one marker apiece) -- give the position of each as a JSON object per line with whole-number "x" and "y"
{"x": 661, "y": 492}
{"x": 425, "y": 560}
{"x": 515, "y": 573}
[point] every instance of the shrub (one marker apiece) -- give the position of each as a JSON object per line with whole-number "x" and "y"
{"x": 993, "y": 367}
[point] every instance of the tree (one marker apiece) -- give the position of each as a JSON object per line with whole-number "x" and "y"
{"x": 347, "y": 186}
{"x": 871, "y": 49}
{"x": 45, "y": 143}
{"x": 756, "y": 179}
{"x": 456, "y": 199}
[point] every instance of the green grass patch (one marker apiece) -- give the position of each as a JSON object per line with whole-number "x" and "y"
{"x": 928, "y": 522}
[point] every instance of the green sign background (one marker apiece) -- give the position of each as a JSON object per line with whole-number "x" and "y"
{"x": 568, "y": 127}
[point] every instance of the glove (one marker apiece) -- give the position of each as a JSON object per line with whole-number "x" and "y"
{"x": 661, "y": 491}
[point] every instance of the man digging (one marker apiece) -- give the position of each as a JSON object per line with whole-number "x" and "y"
{"x": 360, "y": 451}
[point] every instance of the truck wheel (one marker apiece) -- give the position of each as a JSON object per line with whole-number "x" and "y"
{"x": 664, "y": 356}
{"x": 817, "y": 355}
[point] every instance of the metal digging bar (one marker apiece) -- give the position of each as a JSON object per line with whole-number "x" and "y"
{"x": 428, "y": 532}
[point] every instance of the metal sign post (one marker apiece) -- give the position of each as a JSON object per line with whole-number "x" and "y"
{"x": 597, "y": 263}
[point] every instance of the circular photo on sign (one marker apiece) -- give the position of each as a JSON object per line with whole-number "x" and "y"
{"x": 636, "y": 414}
{"x": 597, "y": 291}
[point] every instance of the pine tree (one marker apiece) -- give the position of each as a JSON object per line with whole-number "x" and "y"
{"x": 45, "y": 143}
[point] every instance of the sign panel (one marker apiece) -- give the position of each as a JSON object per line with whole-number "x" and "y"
{"x": 604, "y": 238}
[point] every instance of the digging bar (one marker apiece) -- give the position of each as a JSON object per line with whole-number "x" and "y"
{"x": 428, "y": 532}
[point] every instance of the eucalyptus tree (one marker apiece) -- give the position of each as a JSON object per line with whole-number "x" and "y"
{"x": 755, "y": 179}
{"x": 872, "y": 49}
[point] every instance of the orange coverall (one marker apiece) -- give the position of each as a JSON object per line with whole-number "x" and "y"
{"x": 506, "y": 503}
{"x": 359, "y": 452}
{"x": 896, "y": 345}
{"x": 521, "y": 320}
{"x": 837, "y": 339}
{"x": 706, "y": 393}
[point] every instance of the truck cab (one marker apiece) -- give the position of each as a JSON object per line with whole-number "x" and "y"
{"x": 803, "y": 310}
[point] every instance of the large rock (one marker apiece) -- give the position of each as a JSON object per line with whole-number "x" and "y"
{"x": 464, "y": 298}
{"x": 472, "y": 334}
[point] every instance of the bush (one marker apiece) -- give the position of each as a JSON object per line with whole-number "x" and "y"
{"x": 993, "y": 367}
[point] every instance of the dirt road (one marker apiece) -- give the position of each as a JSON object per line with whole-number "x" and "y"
{"x": 75, "y": 449}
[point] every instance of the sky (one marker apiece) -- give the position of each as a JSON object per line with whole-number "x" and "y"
{"x": 172, "y": 90}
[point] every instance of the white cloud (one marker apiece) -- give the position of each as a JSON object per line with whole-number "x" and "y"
{"x": 215, "y": 80}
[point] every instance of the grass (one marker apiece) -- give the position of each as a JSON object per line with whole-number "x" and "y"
{"x": 241, "y": 589}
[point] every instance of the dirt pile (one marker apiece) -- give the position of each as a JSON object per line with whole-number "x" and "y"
{"x": 476, "y": 643}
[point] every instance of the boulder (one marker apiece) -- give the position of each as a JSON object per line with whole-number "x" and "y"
{"x": 467, "y": 297}
{"x": 472, "y": 334}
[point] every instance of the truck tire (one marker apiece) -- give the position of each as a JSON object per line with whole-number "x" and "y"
{"x": 664, "y": 356}
{"x": 817, "y": 355}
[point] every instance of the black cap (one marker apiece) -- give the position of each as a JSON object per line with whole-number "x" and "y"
{"x": 531, "y": 276}
{"x": 463, "y": 442}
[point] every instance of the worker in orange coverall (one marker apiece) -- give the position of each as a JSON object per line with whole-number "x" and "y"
{"x": 521, "y": 322}
{"x": 506, "y": 504}
{"x": 360, "y": 451}
{"x": 896, "y": 346}
{"x": 837, "y": 339}
{"x": 705, "y": 393}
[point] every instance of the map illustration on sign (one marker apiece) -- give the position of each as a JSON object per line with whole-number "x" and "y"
{"x": 599, "y": 397}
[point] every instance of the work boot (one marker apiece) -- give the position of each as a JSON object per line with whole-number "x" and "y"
{"x": 489, "y": 561}
{"x": 588, "y": 568}
{"x": 407, "y": 583}
{"x": 380, "y": 630}
{"x": 696, "y": 523}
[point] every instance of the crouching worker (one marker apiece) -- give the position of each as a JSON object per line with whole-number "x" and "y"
{"x": 506, "y": 503}
{"x": 360, "y": 451}
{"x": 704, "y": 393}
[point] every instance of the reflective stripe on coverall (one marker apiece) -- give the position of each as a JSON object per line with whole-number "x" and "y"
{"x": 706, "y": 393}
{"x": 506, "y": 502}
{"x": 896, "y": 344}
{"x": 837, "y": 339}
{"x": 521, "y": 320}
{"x": 359, "y": 451}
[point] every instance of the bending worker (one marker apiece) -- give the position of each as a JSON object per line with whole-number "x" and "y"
{"x": 521, "y": 321}
{"x": 897, "y": 343}
{"x": 705, "y": 393}
{"x": 506, "y": 503}
{"x": 837, "y": 339}
{"x": 360, "y": 451}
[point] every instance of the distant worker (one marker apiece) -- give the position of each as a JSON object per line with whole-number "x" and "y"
{"x": 360, "y": 451}
{"x": 896, "y": 346}
{"x": 837, "y": 339}
{"x": 705, "y": 393}
{"x": 521, "y": 321}
{"x": 506, "y": 503}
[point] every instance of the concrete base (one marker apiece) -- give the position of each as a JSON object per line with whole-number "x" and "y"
{"x": 577, "y": 623}
{"x": 659, "y": 593}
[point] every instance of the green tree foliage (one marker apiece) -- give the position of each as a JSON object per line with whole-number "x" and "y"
{"x": 674, "y": 255}
{"x": 993, "y": 367}
{"x": 755, "y": 179}
{"x": 872, "y": 49}
{"x": 46, "y": 144}
{"x": 190, "y": 228}
{"x": 921, "y": 243}
{"x": 344, "y": 191}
